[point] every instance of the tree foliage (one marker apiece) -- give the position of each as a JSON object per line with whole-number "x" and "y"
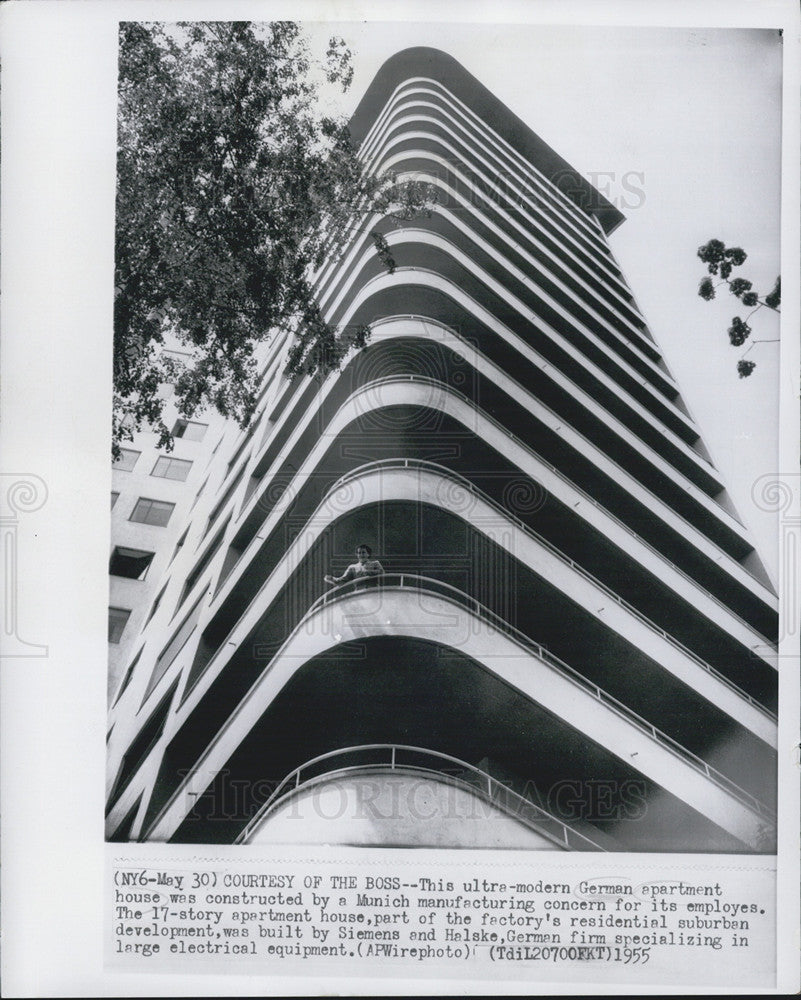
{"x": 721, "y": 261}
{"x": 233, "y": 189}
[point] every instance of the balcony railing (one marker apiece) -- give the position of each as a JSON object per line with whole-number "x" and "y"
{"x": 704, "y": 464}
{"x": 436, "y": 588}
{"x": 427, "y": 380}
{"x": 543, "y": 190}
{"x": 466, "y": 484}
{"x": 399, "y": 758}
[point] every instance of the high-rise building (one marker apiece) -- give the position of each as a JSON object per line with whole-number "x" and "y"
{"x": 572, "y": 642}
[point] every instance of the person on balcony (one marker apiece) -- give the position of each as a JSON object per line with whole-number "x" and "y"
{"x": 363, "y": 568}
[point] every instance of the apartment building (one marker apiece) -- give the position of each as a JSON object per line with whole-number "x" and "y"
{"x": 572, "y": 644}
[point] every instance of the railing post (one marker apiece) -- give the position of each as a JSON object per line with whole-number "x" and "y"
{"x": 392, "y": 765}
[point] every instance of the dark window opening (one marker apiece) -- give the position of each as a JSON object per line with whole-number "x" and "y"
{"x": 130, "y": 563}
{"x": 202, "y": 564}
{"x": 117, "y": 620}
{"x": 143, "y": 743}
{"x": 173, "y": 648}
{"x": 128, "y": 675}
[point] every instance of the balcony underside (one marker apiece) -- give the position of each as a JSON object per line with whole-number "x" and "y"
{"x": 486, "y": 557}
{"x": 567, "y": 436}
{"x": 415, "y": 432}
{"x": 408, "y": 690}
{"x": 426, "y": 62}
{"x": 535, "y": 288}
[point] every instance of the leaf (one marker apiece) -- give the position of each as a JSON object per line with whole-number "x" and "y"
{"x": 712, "y": 252}
{"x": 735, "y": 255}
{"x": 774, "y": 298}
{"x": 706, "y": 289}
{"x": 739, "y": 332}
{"x": 739, "y": 285}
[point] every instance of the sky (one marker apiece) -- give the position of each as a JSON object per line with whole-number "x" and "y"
{"x": 681, "y": 129}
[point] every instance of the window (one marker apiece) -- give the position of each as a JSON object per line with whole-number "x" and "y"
{"x": 114, "y": 498}
{"x": 171, "y": 468}
{"x": 117, "y": 620}
{"x": 190, "y": 430}
{"x": 174, "y": 646}
{"x": 219, "y": 506}
{"x": 123, "y": 832}
{"x": 148, "y": 511}
{"x": 130, "y": 563}
{"x": 203, "y": 562}
{"x": 156, "y": 603}
{"x": 128, "y": 675}
{"x": 127, "y": 459}
{"x": 180, "y": 544}
{"x": 197, "y": 495}
{"x": 143, "y": 743}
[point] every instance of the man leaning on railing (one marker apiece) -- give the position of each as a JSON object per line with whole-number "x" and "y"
{"x": 363, "y": 568}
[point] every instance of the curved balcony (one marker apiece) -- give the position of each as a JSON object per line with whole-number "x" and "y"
{"x": 285, "y": 589}
{"x": 439, "y": 299}
{"x": 690, "y": 505}
{"x": 428, "y": 585}
{"x": 677, "y": 461}
{"x": 466, "y": 484}
{"x": 479, "y": 134}
{"x": 434, "y": 392}
{"x": 392, "y": 758}
{"x": 496, "y": 345}
{"x": 407, "y": 156}
{"x": 652, "y": 651}
{"x": 302, "y": 499}
{"x": 500, "y": 148}
{"x": 585, "y": 717}
{"x": 309, "y": 406}
{"x": 545, "y": 302}
{"x": 423, "y": 141}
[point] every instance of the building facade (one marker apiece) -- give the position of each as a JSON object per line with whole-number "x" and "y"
{"x": 573, "y": 642}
